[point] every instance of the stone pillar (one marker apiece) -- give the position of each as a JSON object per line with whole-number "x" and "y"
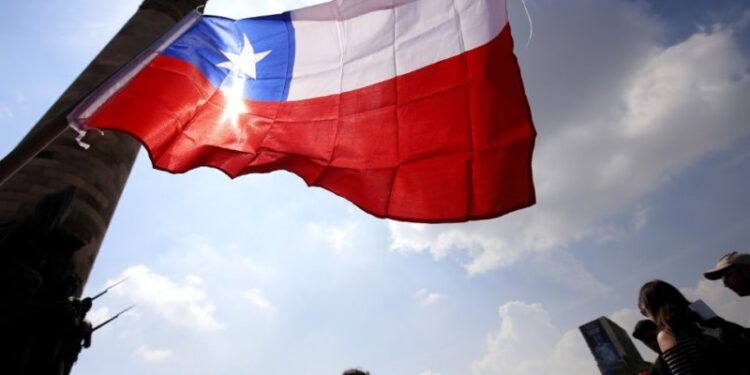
{"x": 100, "y": 173}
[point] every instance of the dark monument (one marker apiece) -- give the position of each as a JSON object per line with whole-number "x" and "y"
{"x": 55, "y": 210}
{"x": 99, "y": 173}
{"x": 612, "y": 348}
{"x": 42, "y": 320}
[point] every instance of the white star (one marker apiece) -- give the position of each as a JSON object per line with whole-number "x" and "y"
{"x": 241, "y": 68}
{"x": 244, "y": 64}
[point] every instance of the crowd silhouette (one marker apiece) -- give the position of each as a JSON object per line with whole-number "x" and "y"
{"x": 688, "y": 337}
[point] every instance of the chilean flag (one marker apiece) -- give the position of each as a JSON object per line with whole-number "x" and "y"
{"x": 411, "y": 109}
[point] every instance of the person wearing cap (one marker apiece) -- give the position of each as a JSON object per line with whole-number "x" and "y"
{"x": 734, "y": 270}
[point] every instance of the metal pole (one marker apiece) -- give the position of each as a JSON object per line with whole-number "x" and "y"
{"x": 31, "y": 147}
{"x": 38, "y": 141}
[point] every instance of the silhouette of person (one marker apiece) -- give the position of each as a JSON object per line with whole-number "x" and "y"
{"x": 680, "y": 340}
{"x": 734, "y": 270}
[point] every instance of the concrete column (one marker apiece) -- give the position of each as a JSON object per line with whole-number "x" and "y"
{"x": 101, "y": 172}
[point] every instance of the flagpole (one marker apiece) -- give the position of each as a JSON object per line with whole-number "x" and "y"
{"x": 29, "y": 148}
{"x": 37, "y": 141}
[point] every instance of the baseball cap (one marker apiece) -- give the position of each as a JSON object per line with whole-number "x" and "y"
{"x": 732, "y": 259}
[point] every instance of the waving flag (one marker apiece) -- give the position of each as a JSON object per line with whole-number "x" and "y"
{"x": 411, "y": 109}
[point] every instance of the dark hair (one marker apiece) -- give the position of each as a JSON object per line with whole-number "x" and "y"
{"x": 642, "y": 327}
{"x": 668, "y": 308}
{"x": 355, "y": 371}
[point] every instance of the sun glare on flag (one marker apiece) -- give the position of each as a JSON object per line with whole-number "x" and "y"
{"x": 242, "y": 67}
{"x": 233, "y": 89}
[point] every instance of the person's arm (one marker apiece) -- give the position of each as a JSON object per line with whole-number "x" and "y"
{"x": 666, "y": 340}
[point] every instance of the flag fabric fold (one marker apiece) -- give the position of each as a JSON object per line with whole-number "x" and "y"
{"x": 411, "y": 109}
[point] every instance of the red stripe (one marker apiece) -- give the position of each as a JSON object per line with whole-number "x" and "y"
{"x": 449, "y": 142}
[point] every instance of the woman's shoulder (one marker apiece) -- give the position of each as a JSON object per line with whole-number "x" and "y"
{"x": 666, "y": 340}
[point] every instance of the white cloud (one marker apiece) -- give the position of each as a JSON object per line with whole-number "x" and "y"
{"x": 426, "y": 297}
{"x": 636, "y": 120}
{"x": 336, "y": 236}
{"x": 228, "y": 262}
{"x": 429, "y": 372}
{"x": 564, "y": 270}
{"x": 193, "y": 280}
{"x": 439, "y": 240}
{"x": 560, "y": 267}
{"x": 182, "y": 304}
{"x": 341, "y": 238}
{"x": 153, "y": 355}
{"x": 528, "y": 343}
{"x": 258, "y": 299}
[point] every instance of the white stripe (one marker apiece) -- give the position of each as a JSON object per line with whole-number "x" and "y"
{"x": 349, "y": 44}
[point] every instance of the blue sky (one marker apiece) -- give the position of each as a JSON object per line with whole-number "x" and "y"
{"x": 642, "y": 168}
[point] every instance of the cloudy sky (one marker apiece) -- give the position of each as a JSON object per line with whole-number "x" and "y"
{"x": 642, "y": 170}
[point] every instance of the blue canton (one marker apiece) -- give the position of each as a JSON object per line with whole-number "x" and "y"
{"x": 206, "y": 43}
